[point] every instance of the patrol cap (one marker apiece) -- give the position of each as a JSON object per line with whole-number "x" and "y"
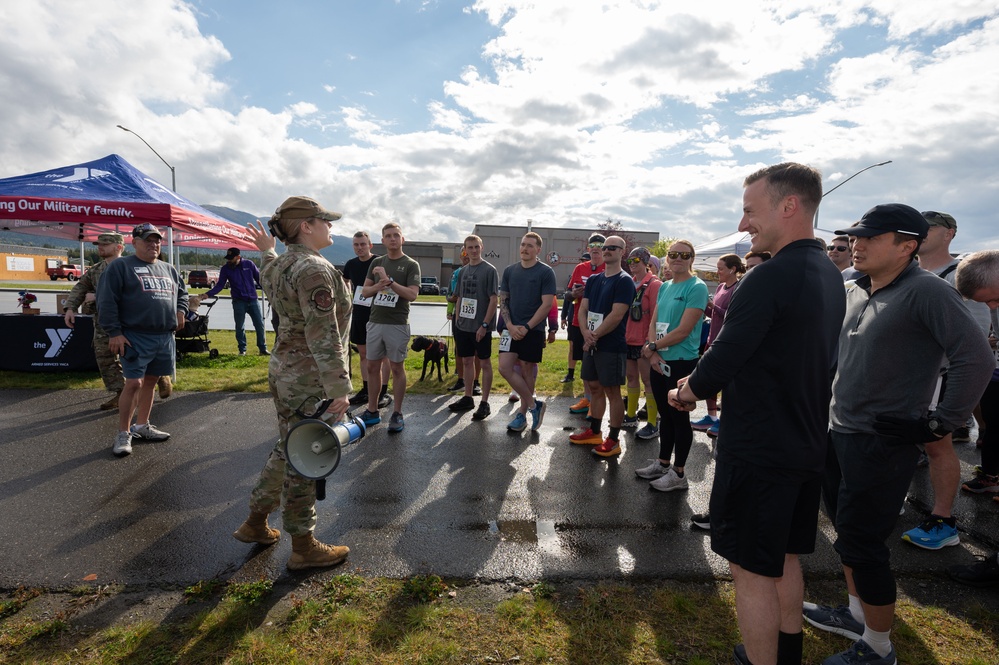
{"x": 889, "y": 218}
{"x": 934, "y": 218}
{"x": 302, "y": 207}
{"x": 233, "y": 252}
{"x": 145, "y": 230}
{"x": 110, "y": 239}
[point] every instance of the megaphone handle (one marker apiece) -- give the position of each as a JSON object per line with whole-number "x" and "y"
{"x": 321, "y": 489}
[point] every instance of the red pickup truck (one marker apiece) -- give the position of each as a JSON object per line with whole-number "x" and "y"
{"x": 68, "y": 270}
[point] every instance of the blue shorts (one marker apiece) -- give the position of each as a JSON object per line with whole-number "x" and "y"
{"x": 148, "y": 354}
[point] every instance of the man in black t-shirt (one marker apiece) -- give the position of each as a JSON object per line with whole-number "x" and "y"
{"x": 355, "y": 270}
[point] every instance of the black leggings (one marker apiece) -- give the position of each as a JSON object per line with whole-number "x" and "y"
{"x": 674, "y": 426}
{"x": 990, "y": 415}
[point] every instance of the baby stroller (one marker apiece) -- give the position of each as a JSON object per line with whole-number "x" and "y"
{"x": 194, "y": 336}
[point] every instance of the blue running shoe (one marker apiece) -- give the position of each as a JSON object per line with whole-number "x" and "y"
{"x": 518, "y": 424}
{"x": 861, "y": 653}
{"x": 396, "y": 422}
{"x": 537, "y": 414}
{"x": 703, "y": 424}
{"x": 933, "y": 534}
{"x": 370, "y": 418}
{"x": 837, "y": 620}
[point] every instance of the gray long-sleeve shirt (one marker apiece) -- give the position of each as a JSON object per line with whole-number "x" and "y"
{"x": 894, "y": 343}
{"x": 135, "y": 295}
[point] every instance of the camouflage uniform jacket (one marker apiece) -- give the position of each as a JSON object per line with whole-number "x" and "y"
{"x": 87, "y": 284}
{"x": 314, "y": 305}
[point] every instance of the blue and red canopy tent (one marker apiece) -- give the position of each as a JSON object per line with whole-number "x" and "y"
{"x": 81, "y": 201}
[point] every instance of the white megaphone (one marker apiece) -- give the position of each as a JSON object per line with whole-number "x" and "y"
{"x": 313, "y": 447}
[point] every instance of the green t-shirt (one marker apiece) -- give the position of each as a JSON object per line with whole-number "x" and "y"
{"x": 387, "y": 306}
{"x": 674, "y": 300}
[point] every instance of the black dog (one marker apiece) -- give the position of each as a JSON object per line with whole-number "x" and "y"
{"x": 434, "y": 350}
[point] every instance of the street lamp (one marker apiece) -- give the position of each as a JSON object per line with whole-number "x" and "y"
{"x": 173, "y": 171}
{"x": 816, "y": 220}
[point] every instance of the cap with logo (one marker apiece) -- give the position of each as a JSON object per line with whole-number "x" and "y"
{"x": 110, "y": 239}
{"x": 934, "y": 218}
{"x": 145, "y": 230}
{"x": 232, "y": 253}
{"x": 595, "y": 238}
{"x": 889, "y": 218}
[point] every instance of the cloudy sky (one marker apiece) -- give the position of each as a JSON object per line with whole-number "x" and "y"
{"x": 447, "y": 113}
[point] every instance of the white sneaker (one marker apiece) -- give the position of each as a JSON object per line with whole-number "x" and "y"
{"x": 669, "y": 482}
{"x": 148, "y": 433}
{"x": 122, "y": 444}
{"x": 652, "y": 471}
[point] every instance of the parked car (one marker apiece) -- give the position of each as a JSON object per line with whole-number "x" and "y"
{"x": 429, "y": 286}
{"x": 203, "y": 278}
{"x": 70, "y": 271}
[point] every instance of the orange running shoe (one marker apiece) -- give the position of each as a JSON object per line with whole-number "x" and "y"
{"x": 582, "y": 406}
{"x": 587, "y": 438}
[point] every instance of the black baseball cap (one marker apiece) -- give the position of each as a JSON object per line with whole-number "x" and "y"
{"x": 889, "y": 218}
{"x": 233, "y": 251}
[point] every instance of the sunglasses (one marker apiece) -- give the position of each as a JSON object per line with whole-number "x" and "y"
{"x": 679, "y": 255}
{"x": 608, "y": 248}
{"x": 595, "y": 245}
{"x": 837, "y": 248}
{"x": 633, "y": 260}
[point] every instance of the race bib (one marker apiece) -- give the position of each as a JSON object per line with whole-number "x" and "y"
{"x": 359, "y": 300}
{"x": 593, "y": 320}
{"x": 661, "y": 330}
{"x": 505, "y": 339}
{"x": 467, "y": 308}
{"x": 386, "y": 298}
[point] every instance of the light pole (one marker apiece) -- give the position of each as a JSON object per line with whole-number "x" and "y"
{"x": 816, "y": 220}
{"x": 173, "y": 171}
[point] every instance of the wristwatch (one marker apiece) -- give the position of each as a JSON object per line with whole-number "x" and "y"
{"x": 652, "y": 346}
{"x": 485, "y": 325}
{"x": 937, "y": 427}
{"x": 391, "y": 280}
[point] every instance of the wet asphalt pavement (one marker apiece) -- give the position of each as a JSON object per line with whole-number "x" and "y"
{"x": 448, "y": 496}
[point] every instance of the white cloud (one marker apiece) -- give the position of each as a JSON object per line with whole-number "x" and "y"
{"x": 577, "y": 111}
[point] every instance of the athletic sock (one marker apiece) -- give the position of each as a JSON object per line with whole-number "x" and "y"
{"x": 856, "y": 608}
{"x": 570, "y": 372}
{"x": 880, "y": 642}
{"x": 679, "y": 474}
{"x": 789, "y": 647}
{"x": 652, "y": 408}
{"x": 613, "y": 433}
{"x": 632, "y": 402}
{"x": 364, "y": 387}
{"x": 594, "y": 425}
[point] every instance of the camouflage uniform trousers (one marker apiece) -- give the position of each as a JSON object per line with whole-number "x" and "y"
{"x": 107, "y": 362}
{"x": 278, "y": 482}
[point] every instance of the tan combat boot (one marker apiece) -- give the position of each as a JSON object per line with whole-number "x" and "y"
{"x": 166, "y": 386}
{"x": 307, "y": 552}
{"x": 255, "y": 530}
{"x": 111, "y": 403}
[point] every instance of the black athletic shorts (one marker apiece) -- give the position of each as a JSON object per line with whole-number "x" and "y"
{"x": 760, "y": 514}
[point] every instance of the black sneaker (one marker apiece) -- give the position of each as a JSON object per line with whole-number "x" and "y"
{"x": 701, "y": 521}
{"x": 985, "y": 573}
{"x": 643, "y": 413}
{"x": 359, "y": 398}
{"x": 476, "y": 389}
{"x": 459, "y": 385}
{"x": 482, "y": 412}
{"x": 384, "y": 400}
{"x": 568, "y": 378}
{"x": 961, "y": 435}
{"x": 465, "y": 403}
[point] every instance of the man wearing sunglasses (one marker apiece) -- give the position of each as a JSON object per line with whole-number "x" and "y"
{"x": 577, "y": 282}
{"x": 604, "y": 313}
{"x": 839, "y": 252}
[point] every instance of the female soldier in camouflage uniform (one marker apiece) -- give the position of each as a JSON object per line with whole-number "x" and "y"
{"x": 309, "y": 361}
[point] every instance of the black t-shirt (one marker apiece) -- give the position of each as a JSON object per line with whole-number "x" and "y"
{"x": 356, "y": 270}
